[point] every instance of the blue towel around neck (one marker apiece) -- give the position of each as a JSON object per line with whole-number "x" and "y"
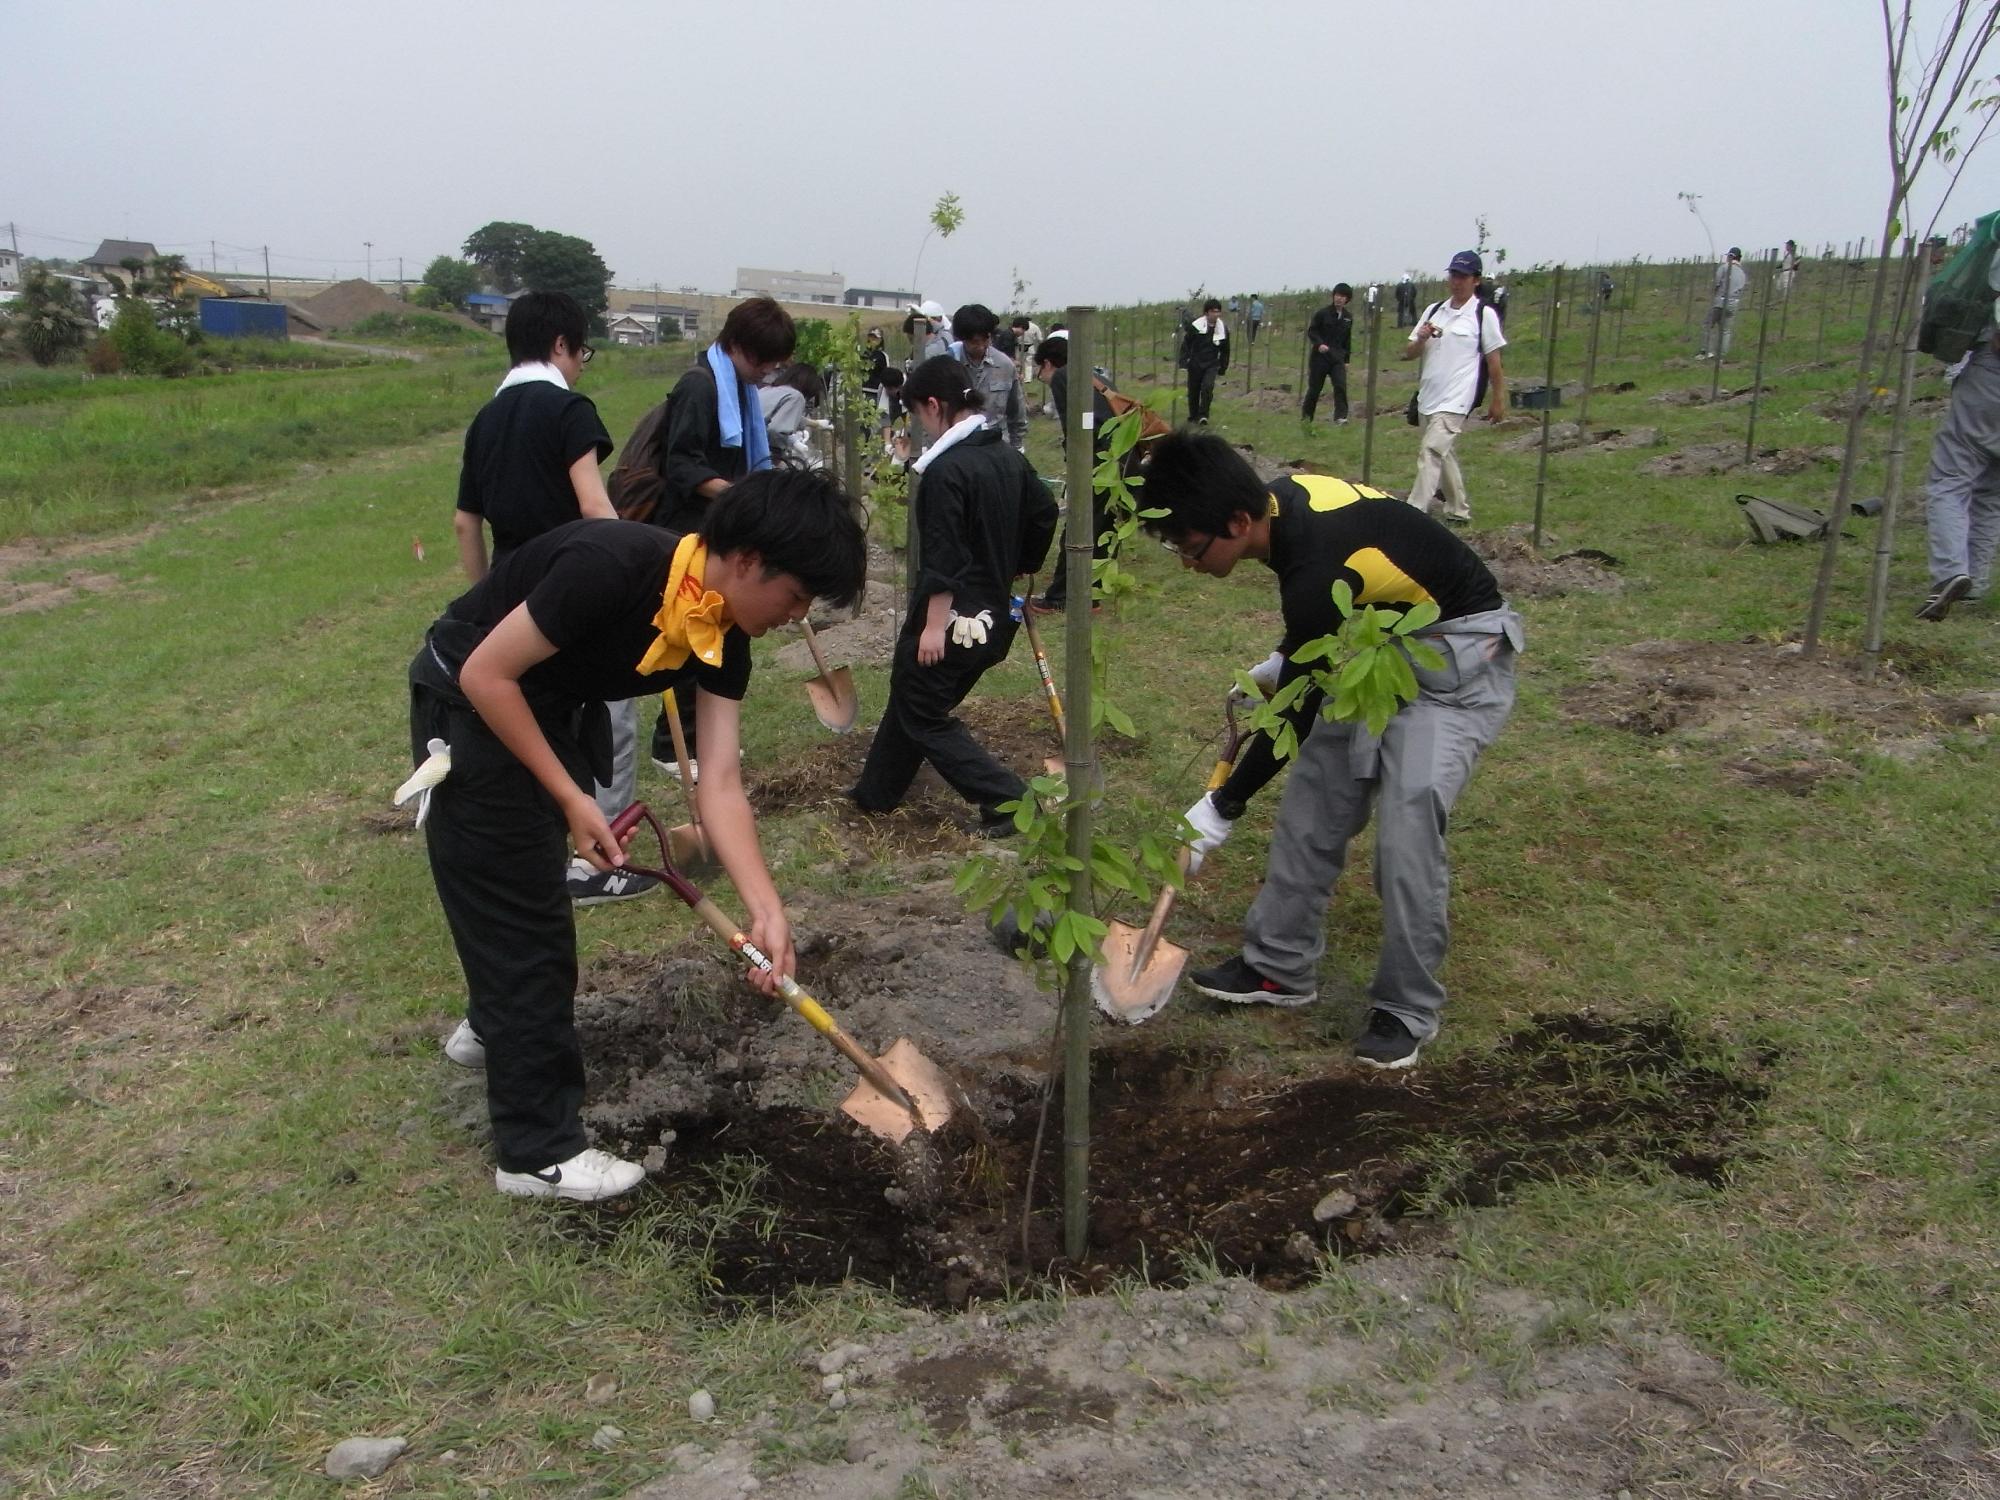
{"x": 730, "y": 398}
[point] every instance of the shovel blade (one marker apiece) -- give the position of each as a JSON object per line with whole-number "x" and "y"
{"x": 689, "y": 851}
{"x": 918, "y": 1077}
{"x": 833, "y": 699}
{"x": 1129, "y": 996}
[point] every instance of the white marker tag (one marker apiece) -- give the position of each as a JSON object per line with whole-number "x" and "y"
{"x": 1089, "y": 420}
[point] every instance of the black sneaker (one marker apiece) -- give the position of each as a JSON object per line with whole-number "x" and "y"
{"x": 589, "y": 886}
{"x": 1387, "y": 1043}
{"x": 1235, "y": 981}
{"x": 1944, "y": 596}
{"x": 994, "y": 824}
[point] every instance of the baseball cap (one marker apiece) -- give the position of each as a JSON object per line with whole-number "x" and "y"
{"x": 1735, "y": 252}
{"x": 1465, "y": 263}
{"x": 932, "y": 310}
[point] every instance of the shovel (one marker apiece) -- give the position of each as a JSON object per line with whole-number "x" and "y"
{"x": 832, "y": 692}
{"x": 1139, "y": 971}
{"x": 900, "y": 1091}
{"x": 687, "y": 844}
{"x": 1054, "y": 763}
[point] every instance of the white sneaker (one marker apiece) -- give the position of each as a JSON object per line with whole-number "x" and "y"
{"x": 585, "y": 1177}
{"x": 464, "y": 1047}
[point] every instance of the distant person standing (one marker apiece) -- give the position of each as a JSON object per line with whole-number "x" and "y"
{"x": 1330, "y": 341}
{"x": 1256, "y": 316}
{"x": 1027, "y": 338}
{"x": 1605, "y": 287}
{"x": 1731, "y": 280}
{"x": 1459, "y": 342}
{"x": 874, "y": 360}
{"x": 1788, "y": 270}
{"x": 1205, "y": 353}
{"x": 1406, "y": 302}
{"x": 993, "y": 374}
{"x": 1962, "y": 490}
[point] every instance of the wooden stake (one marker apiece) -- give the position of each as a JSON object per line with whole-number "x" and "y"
{"x": 1548, "y": 387}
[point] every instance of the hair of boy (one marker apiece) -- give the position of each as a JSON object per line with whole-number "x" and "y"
{"x": 1019, "y": 320}
{"x": 760, "y": 330}
{"x": 1342, "y": 289}
{"x": 1201, "y": 483}
{"x": 1053, "y": 351}
{"x": 535, "y": 320}
{"x": 1211, "y": 305}
{"x": 798, "y": 522}
{"x": 943, "y": 379}
{"x": 892, "y": 378}
{"x": 974, "y": 321}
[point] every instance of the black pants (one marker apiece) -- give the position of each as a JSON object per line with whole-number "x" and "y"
{"x": 918, "y": 726}
{"x": 1322, "y": 369}
{"x": 1201, "y": 391}
{"x": 1058, "y": 589}
{"x": 663, "y": 742}
{"x": 498, "y": 849}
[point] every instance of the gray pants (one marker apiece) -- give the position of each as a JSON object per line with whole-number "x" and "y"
{"x": 624, "y": 788}
{"x": 1428, "y": 752}
{"x": 1962, "y": 490}
{"x": 1718, "y": 317}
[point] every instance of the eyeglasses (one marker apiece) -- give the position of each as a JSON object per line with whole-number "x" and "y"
{"x": 1183, "y": 553}
{"x": 583, "y": 353}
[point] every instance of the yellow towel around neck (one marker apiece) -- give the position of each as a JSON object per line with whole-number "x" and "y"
{"x": 692, "y": 618}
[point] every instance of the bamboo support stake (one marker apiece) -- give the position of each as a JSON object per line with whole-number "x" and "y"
{"x": 1374, "y": 364}
{"x": 1763, "y": 328}
{"x": 1916, "y": 285}
{"x": 1548, "y": 387}
{"x": 1080, "y": 768}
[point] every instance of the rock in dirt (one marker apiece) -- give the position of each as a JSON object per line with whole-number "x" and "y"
{"x": 363, "y": 1458}
{"x": 1338, "y": 1204}
{"x": 607, "y": 1437}
{"x": 600, "y": 1387}
{"x": 701, "y": 1406}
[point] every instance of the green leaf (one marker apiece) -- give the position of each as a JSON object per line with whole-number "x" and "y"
{"x": 1120, "y": 720}
{"x": 1400, "y": 679}
{"x": 1425, "y": 655}
{"x": 1416, "y": 617}
{"x": 1343, "y": 597}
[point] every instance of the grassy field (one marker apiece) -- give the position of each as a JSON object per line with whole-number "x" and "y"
{"x": 241, "y": 1224}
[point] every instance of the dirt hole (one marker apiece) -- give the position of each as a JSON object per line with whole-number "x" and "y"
{"x": 1197, "y": 1166}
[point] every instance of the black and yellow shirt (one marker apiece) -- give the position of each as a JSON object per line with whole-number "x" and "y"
{"x": 1391, "y": 554}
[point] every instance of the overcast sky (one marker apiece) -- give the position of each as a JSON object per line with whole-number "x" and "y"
{"x": 1109, "y": 152}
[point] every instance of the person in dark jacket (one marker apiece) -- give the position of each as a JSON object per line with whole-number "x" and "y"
{"x": 1330, "y": 341}
{"x": 983, "y": 519}
{"x": 511, "y": 678}
{"x": 1052, "y": 369}
{"x": 715, "y": 436}
{"x": 1406, "y": 302}
{"x": 1205, "y": 353}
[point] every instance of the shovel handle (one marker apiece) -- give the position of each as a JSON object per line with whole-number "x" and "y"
{"x": 1042, "y": 666}
{"x": 1142, "y": 953}
{"x": 812, "y": 645}
{"x": 686, "y": 762}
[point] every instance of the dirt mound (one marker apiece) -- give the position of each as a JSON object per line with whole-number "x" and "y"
{"x": 1524, "y": 573}
{"x": 1704, "y": 459}
{"x": 1564, "y": 436}
{"x": 18, "y": 597}
{"x": 1699, "y": 395}
{"x": 1772, "y": 702}
{"x": 346, "y": 303}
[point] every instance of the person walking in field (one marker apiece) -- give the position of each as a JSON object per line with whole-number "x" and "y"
{"x": 512, "y": 678}
{"x": 1962, "y": 489}
{"x": 993, "y": 373}
{"x": 1459, "y": 341}
{"x": 1788, "y": 270}
{"x": 1731, "y": 281}
{"x": 1205, "y": 353}
{"x": 1256, "y": 316}
{"x": 983, "y": 518}
{"x": 1209, "y": 507}
{"x": 1406, "y": 302}
{"x": 1329, "y": 341}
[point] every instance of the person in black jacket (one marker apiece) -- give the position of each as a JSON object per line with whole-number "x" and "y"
{"x": 1330, "y": 341}
{"x": 714, "y": 438}
{"x": 983, "y": 518}
{"x": 1205, "y": 353}
{"x": 1052, "y": 369}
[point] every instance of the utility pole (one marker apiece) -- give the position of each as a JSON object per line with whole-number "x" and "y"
{"x": 267, "y": 271}
{"x": 369, "y": 246}
{"x": 402, "y": 287}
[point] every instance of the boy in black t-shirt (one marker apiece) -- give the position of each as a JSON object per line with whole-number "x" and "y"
{"x": 531, "y": 454}
{"x": 514, "y": 677}
{"x": 1313, "y": 530}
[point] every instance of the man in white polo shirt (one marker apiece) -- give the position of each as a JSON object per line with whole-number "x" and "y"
{"x": 1459, "y": 340}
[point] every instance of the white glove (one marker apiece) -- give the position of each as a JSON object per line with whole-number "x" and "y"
{"x": 1210, "y": 829}
{"x": 970, "y": 630}
{"x": 1266, "y": 673}
{"x": 429, "y": 774}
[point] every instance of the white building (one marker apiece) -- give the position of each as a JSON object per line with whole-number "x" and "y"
{"x": 789, "y": 286}
{"x": 10, "y": 271}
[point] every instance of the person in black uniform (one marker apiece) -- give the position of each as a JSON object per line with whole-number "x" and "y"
{"x": 1330, "y": 342}
{"x": 714, "y": 437}
{"x": 1052, "y": 369}
{"x": 983, "y": 518}
{"x": 1311, "y": 531}
{"x": 1205, "y": 353}
{"x": 513, "y": 677}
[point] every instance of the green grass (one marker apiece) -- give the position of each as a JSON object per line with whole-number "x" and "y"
{"x": 241, "y": 1224}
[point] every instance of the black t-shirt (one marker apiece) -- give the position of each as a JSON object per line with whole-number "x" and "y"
{"x": 518, "y": 454}
{"x": 592, "y": 588}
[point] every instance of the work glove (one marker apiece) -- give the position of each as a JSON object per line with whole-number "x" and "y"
{"x": 970, "y": 630}
{"x": 1210, "y": 830}
{"x": 434, "y": 769}
{"x": 1265, "y": 674}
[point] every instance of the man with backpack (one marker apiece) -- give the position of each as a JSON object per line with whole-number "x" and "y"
{"x": 1459, "y": 341}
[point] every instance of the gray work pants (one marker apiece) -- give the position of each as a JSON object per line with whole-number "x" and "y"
{"x": 1962, "y": 490}
{"x": 1427, "y": 756}
{"x": 624, "y": 788}
{"x": 1723, "y": 318}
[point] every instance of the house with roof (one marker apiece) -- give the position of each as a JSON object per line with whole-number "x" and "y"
{"x": 109, "y": 261}
{"x": 10, "y": 271}
{"x": 489, "y": 310}
{"x": 867, "y": 296}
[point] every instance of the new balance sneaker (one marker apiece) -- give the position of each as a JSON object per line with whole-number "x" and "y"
{"x": 586, "y": 1177}
{"x": 464, "y": 1047}
{"x": 589, "y": 886}
{"x": 1944, "y": 596}
{"x": 1235, "y": 981}
{"x": 1387, "y": 1043}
